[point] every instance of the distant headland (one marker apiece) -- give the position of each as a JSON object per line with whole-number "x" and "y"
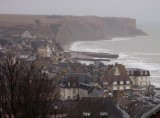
{"x": 69, "y": 29}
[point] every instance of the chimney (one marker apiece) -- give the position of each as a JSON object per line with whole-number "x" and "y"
{"x": 116, "y": 64}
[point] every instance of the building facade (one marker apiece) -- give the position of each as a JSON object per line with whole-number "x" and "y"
{"x": 139, "y": 77}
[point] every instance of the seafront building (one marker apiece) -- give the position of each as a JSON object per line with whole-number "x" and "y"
{"x": 78, "y": 83}
{"x": 139, "y": 77}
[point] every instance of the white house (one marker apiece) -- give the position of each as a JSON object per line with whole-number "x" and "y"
{"x": 24, "y": 54}
{"x": 78, "y": 86}
{"x": 69, "y": 91}
{"x": 139, "y": 77}
{"x": 117, "y": 80}
{"x": 70, "y": 85}
{"x": 26, "y": 34}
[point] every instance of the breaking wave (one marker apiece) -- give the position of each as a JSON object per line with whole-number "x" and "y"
{"x": 129, "y": 59}
{"x": 147, "y": 54}
{"x": 121, "y": 39}
{"x": 81, "y": 46}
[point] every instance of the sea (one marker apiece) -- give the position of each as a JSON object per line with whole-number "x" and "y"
{"x": 134, "y": 52}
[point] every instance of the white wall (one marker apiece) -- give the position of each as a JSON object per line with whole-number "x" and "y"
{"x": 128, "y": 87}
{"x": 24, "y": 56}
{"x": 140, "y": 80}
{"x": 66, "y": 93}
{"x": 115, "y": 87}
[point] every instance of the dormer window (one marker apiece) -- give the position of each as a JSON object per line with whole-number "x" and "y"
{"x": 114, "y": 83}
{"x": 105, "y": 83}
{"x": 69, "y": 84}
{"x": 86, "y": 114}
{"x": 127, "y": 82}
{"x": 128, "y": 73}
{"x": 121, "y": 82}
{"x": 132, "y": 72}
{"x": 146, "y": 72}
{"x": 104, "y": 114}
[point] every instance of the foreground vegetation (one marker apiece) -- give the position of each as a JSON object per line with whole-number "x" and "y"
{"x": 25, "y": 92}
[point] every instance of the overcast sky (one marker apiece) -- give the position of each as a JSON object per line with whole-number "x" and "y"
{"x": 142, "y": 10}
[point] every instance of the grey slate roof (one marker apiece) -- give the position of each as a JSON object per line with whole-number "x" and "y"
{"x": 95, "y": 106}
{"x": 67, "y": 64}
{"x": 31, "y": 58}
{"x": 71, "y": 79}
{"x": 96, "y": 91}
{"x": 38, "y": 43}
{"x": 86, "y": 87}
{"x": 75, "y": 109}
{"x": 23, "y": 52}
{"x": 117, "y": 78}
{"x": 2, "y": 54}
{"x": 98, "y": 64}
{"x": 69, "y": 83}
{"x": 82, "y": 77}
{"x": 137, "y": 72}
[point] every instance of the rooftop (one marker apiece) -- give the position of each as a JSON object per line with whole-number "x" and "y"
{"x": 76, "y": 109}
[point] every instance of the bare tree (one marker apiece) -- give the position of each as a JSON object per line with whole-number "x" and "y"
{"x": 25, "y": 92}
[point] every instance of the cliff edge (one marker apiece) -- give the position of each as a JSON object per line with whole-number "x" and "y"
{"x": 89, "y": 28}
{"x": 69, "y": 29}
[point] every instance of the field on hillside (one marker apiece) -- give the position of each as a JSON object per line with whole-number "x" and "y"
{"x": 8, "y": 19}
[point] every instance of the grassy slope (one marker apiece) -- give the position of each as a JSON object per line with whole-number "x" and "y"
{"x": 13, "y": 19}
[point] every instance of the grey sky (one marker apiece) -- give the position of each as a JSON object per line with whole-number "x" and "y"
{"x": 142, "y": 10}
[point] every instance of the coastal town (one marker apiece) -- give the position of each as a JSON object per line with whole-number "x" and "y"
{"x": 95, "y": 90}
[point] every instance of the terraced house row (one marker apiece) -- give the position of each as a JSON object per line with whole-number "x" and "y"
{"x": 99, "y": 80}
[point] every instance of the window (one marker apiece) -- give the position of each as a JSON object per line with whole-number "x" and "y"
{"x": 146, "y": 72}
{"x": 114, "y": 83}
{"x": 121, "y": 88}
{"x": 121, "y": 82}
{"x": 105, "y": 83}
{"x": 128, "y": 73}
{"x": 115, "y": 88}
{"x": 86, "y": 114}
{"x": 127, "y": 87}
{"x": 141, "y": 72}
{"x": 127, "y": 82}
{"x": 69, "y": 84}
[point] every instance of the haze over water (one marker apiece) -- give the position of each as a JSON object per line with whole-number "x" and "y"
{"x": 135, "y": 52}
